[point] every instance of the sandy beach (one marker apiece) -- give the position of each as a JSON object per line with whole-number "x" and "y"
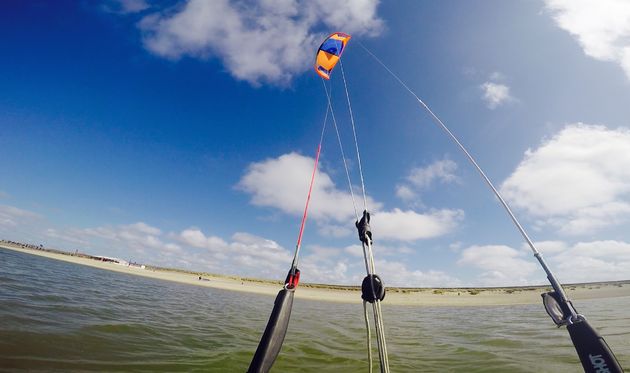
{"x": 333, "y": 293}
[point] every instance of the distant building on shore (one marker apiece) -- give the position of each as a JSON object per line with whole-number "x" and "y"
{"x": 110, "y": 259}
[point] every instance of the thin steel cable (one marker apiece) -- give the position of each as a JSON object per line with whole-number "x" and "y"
{"x": 343, "y": 155}
{"x": 371, "y": 257}
{"x": 354, "y": 133}
{"x": 377, "y": 311}
{"x": 380, "y": 337}
{"x": 298, "y": 245}
{"x": 365, "y": 259}
{"x": 369, "y": 334}
{"x": 378, "y": 316}
{"x": 384, "y": 341}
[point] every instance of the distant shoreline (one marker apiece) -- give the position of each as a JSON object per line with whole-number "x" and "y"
{"x": 494, "y": 296}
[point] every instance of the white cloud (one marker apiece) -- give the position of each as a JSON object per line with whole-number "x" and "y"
{"x": 380, "y": 250}
{"x": 133, "y": 6}
{"x": 354, "y": 250}
{"x": 265, "y": 257}
{"x": 571, "y": 263}
{"x": 331, "y": 265}
{"x": 283, "y": 183}
{"x": 195, "y": 238}
{"x": 125, "y": 6}
{"x": 245, "y": 255}
{"x": 409, "y": 225}
{"x": 72, "y": 238}
{"x": 11, "y": 216}
{"x": 495, "y": 94}
{"x": 394, "y": 273}
{"x": 325, "y": 273}
{"x": 548, "y": 247}
{"x": 593, "y": 261}
{"x": 250, "y": 37}
{"x": 455, "y": 246}
{"x": 334, "y": 230}
{"x": 320, "y": 264}
{"x": 603, "y": 249}
{"x": 601, "y": 27}
{"x": 501, "y": 265}
{"x": 138, "y": 237}
{"x": 578, "y": 181}
{"x": 405, "y": 192}
{"x": 442, "y": 171}
{"x": 144, "y": 228}
{"x": 249, "y": 255}
{"x": 323, "y": 252}
{"x": 420, "y": 178}
{"x": 497, "y": 76}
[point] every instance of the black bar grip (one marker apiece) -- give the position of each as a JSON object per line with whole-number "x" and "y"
{"x": 271, "y": 341}
{"x": 594, "y": 353}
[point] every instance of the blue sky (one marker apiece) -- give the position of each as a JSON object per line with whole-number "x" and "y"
{"x": 183, "y": 134}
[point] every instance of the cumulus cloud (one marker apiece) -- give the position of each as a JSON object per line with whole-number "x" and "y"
{"x": 548, "y": 247}
{"x": 601, "y": 27}
{"x": 354, "y": 250}
{"x": 495, "y": 94}
{"x": 334, "y": 230}
{"x": 420, "y": 178}
{"x": 396, "y": 273}
{"x": 593, "y": 261}
{"x": 442, "y": 171}
{"x": 578, "y": 181}
{"x": 283, "y": 182}
{"x": 326, "y": 265}
{"x": 455, "y": 246}
{"x": 250, "y": 37}
{"x": 66, "y": 237}
{"x": 195, "y": 238}
{"x": 125, "y": 6}
{"x": 245, "y": 254}
{"x": 11, "y": 216}
{"x": 336, "y": 273}
{"x": 501, "y": 265}
{"x": 332, "y": 265}
{"x": 572, "y": 263}
{"x": 258, "y": 255}
{"x": 138, "y": 237}
{"x": 241, "y": 254}
{"x": 405, "y": 192}
{"x": 409, "y": 225}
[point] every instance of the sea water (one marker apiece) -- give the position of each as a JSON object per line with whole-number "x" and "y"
{"x": 57, "y": 316}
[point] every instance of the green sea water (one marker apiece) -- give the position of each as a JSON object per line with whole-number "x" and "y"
{"x": 57, "y": 316}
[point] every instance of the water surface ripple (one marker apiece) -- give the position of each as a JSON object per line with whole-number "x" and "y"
{"x": 56, "y": 316}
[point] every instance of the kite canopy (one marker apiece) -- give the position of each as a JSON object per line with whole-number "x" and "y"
{"x": 329, "y": 53}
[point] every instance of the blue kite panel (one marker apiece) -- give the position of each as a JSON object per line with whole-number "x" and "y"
{"x": 332, "y": 46}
